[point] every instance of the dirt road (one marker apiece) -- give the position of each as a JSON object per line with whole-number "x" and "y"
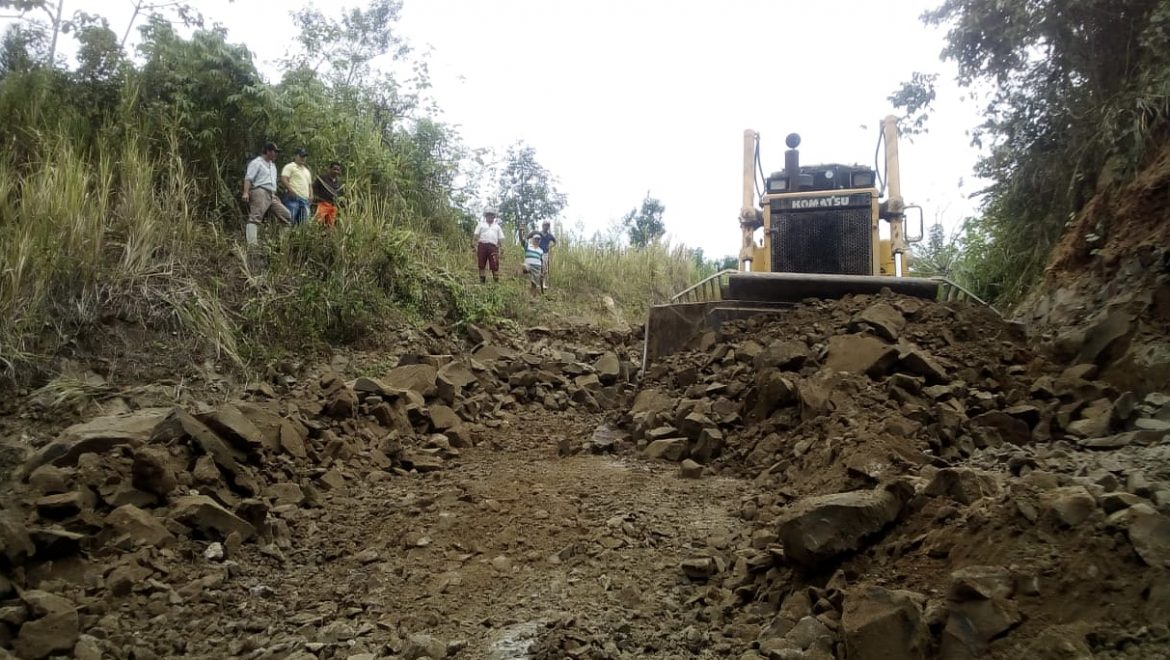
{"x": 482, "y": 556}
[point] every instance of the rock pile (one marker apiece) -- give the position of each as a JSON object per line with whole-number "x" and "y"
{"x": 931, "y": 487}
{"x": 102, "y": 507}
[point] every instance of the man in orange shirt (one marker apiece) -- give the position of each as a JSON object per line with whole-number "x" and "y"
{"x": 327, "y": 190}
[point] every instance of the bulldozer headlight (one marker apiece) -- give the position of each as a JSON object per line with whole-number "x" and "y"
{"x": 778, "y": 184}
{"x": 863, "y": 179}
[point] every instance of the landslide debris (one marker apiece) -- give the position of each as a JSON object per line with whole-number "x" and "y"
{"x": 145, "y": 512}
{"x": 928, "y": 486}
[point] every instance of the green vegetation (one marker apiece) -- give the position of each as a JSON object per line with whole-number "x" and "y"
{"x": 119, "y": 200}
{"x": 1077, "y": 99}
{"x": 527, "y": 191}
{"x": 644, "y": 224}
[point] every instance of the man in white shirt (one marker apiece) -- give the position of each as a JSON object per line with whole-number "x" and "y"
{"x": 487, "y": 242}
{"x": 260, "y": 192}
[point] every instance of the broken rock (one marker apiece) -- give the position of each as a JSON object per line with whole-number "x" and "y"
{"x": 49, "y": 634}
{"x": 417, "y": 377}
{"x": 443, "y": 418}
{"x": 1069, "y": 506}
{"x": 886, "y": 321}
{"x": 230, "y": 423}
{"x": 972, "y": 625}
{"x": 784, "y": 354}
{"x": 860, "y": 354}
{"x": 140, "y": 526}
{"x": 152, "y": 472}
{"x": 1149, "y": 532}
{"x": 99, "y": 435}
{"x": 670, "y": 449}
{"x": 423, "y": 646}
{"x": 608, "y": 368}
{"x": 342, "y": 404}
{"x": 205, "y": 514}
{"x": 689, "y": 469}
{"x": 819, "y": 529}
{"x": 15, "y": 543}
{"x": 879, "y": 624}
{"x": 962, "y": 485}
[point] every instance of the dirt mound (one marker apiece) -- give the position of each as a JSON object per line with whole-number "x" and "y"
{"x": 928, "y": 486}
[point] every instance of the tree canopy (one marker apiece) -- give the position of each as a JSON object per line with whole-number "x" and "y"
{"x": 644, "y": 224}
{"x": 527, "y": 192}
{"x": 1075, "y": 93}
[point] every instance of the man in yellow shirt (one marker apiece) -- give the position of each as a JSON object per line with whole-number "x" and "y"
{"x": 298, "y": 181}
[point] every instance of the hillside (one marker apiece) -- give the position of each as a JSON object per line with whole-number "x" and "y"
{"x": 1105, "y": 295}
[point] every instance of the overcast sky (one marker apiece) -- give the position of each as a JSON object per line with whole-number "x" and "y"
{"x": 621, "y": 97}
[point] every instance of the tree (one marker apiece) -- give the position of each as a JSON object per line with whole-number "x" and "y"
{"x": 26, "y": 10}
{"x": 1076, "y": 96}
{"x": 527, "y": 192}
{"x": 644, "y": 224}
{"x": 347, "y": 46}
{"x": 23, "y": 48}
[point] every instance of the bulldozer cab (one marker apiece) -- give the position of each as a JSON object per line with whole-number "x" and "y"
{"x": 826, "y": 219}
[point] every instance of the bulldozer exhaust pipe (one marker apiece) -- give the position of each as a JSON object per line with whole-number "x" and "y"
{"x": 895, "y": 205}
{"x": 747, "y": 211}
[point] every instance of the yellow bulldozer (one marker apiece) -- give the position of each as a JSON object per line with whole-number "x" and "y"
{"x": 809, "y": 231}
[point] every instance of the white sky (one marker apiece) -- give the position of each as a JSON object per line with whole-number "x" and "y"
{"x": 621, "y": 97}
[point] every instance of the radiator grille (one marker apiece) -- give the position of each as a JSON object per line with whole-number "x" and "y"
{"x": 834, "y": 242}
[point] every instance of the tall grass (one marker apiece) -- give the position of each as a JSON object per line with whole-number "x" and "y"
{"x": 113, "y": 231}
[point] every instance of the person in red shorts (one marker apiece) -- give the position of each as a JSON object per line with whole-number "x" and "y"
{"x": 327, "y": 191}
{"x": 487, "y": 243}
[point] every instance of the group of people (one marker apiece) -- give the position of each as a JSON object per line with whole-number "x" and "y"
{"x": 489, "y": 238}
{"x": 303, "y": 194}
{"x": 302, "y": 191}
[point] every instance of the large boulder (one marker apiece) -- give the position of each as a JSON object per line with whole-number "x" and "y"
{"x": 879, "y": 624}
{"x": 180, "y": 425}
{"x": 141, "y": 527}
{"x": 860, "y": 354}
{"x": 782, "y": 354}
{"x": 963, "y": 485}
{"x": 671, "y": 449}
{"x": 98, "y": 436}
{"x": 208, "y": 516}
{"x": 1149, "y": 532}
{"x": 235, "y": 427}
{"x": 882, "y": 318}
{"x": 153, "y": 471}
{"x": 54, "y": 631}
{"x": 820, "y": 529}
{"x": 652, "y": 401}
{"x": 417, "y": 377}
{"x": 608, "y": 368}
{"x": 1107, "y": 337}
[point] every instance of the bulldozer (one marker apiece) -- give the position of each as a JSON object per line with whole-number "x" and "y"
{"x": 809, "y": 231}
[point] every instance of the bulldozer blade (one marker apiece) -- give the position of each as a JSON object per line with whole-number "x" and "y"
{"x": 794, "y": 287}
{"x": 671, "y": 328}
